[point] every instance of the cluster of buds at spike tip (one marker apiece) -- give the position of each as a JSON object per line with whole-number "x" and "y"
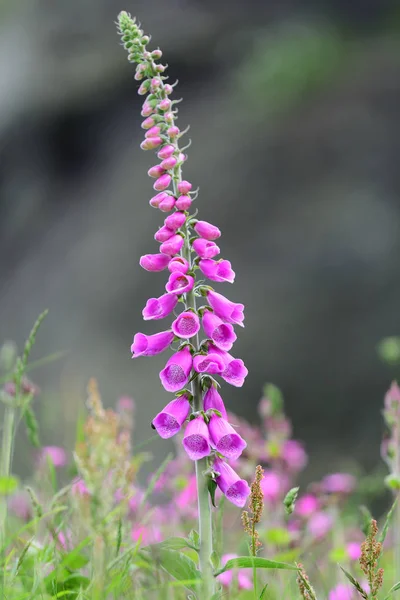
{"x": 187, "y": 249}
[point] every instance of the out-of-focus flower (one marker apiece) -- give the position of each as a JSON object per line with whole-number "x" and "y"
{"x": 55, "y": 454}
{"x": 319, "y": 524}
{"x": 338, "y": 483}
{"x": 226, "y": 579}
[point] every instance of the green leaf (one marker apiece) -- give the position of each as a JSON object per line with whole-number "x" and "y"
{"x": 194, "y": 539}
{"x": 179, "y": 566}
{"x": 212, "y": 486}
{"x": 395, "y": 588}
{"x": 248, "y": 562}
{"x": 8, "y": 485}
{"x": 277, "y": 536}
{"x": 262, "y": 595}
{"x": 385, "y": 528}
{"x": 74, "y": 561}
{"x": 172, "y": 543}
{"x": 355, "y": 583}
{"x": 215, "y": 561}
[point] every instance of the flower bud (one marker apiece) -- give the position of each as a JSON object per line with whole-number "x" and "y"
{"x": 167, "y": 204}
{"x": 178, "y": 264}
{"x": 156, "y": 171}
{"x": 148, "y": 123}
{"x": 151, "y": 143}
{"x": 144, "y": 88}
{"x": 169, "y": 163}
{"x": 175, "y": 221}
{"x": 169, "y": 117}
{"x": 168, "y": 89}
{"x": 156, "y": 54}
{"x": 184, "y": 187}
{"x": 165, "y": 104}
{"x": 153, "y": 131}
{"x": 147, "y": 110}
{"x": 162, "y": 183}
{"x": 154, "y": 262}
{"x": 155, "y": 201}
{"x": 183, "y": 203}
{"x": 164, "y": 234}
{"x": 172, "y": 246}
{"x": 155, "y": 84}
{"x": 145, "y": 40}
{"x": 166, "y": 151}
{"x": 160, "y": 68}
{"x": 173, "y": 131}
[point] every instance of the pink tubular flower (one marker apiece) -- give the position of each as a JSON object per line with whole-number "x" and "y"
{"x": 155, "y": 200}
{"x": 163, "y": 182}
{"x": 207, "y": 230}
{"x": 338, "y": 483}
{"x": 234, "y": 370}
{"x": 222, "y": 334}
{"x": 158, "y": 308}
{"x": 306, "y": 505}
{"x": 217, "y": 270}
{"x": 148, "y": 123}
{"x": 205, "y": 249}
{"x": 154, "y": 262}
{"x": 175, "y": 221}
{"x": 169, "y": 163}
{"x": 56, "y": 455}
{"x": 151, "y": 143}
{"x": 226, "y": 579}
{"x": 173, "y": 245}
{"x": 231, "y": 312}
{"x": 176, "y": 373}
{"x": 164, "y": 234}
{"x": 343, "y": 591}
{"x": 184, "y": 187}
{"x": 179, "y": 283}
{"x": 169, "y": 421}
{"x": 225, "y": 439}
{"x": 156, "y": 171}
{"x": 392, "y": 398}
{"x": 212, "y": 399}
{"x": 186, "y": 325}
{"x": 196, "y": 440}
{"x": 173, "y": 131}
{"x": 235, "y": 489}
{"x": 167, "y": 203}
{"x": 164, "y": 105}
{"x": 153, "y": 131}
{"x": 319, "y": 524}
{"x": 209, "y": 363}
{"x": 149, "y": 345}
{"x": 178, "y": 264}
{"x": 183, "y": 202}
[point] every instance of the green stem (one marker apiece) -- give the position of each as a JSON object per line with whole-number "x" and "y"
{"x": 5, "y": 470}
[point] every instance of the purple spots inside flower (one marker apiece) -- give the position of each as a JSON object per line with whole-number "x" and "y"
{"x": 187, "y": 326}
{"x": 167, "y": 425}
{"x": 230, "y": 445}
{"x": 196, "y": 446}
{"x": 238, "y": 493}
{"x": 174, "y": 374}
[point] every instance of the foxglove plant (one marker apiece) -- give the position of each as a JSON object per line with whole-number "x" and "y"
{"x": 187, "y": 246}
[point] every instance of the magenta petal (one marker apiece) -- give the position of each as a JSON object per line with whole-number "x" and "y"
{"x": 217, "y": 271}
{"x": 196, "y": 440}
{"x": 235, "y": 489}
{"x": 221, "y": 333}
{"x": 209, "y": 363}
{"x": 231, "y": 312}
{"x": 179, "y": 283}
{"x": 158, "y": 308}
{"x": 154, "y": 262}
{"x": 149, "y": 345}
{"x": 225, "y": 439}
{"x": 212, "y": 399}
{"x": 175, "y": 375}
{"x": 169, "y": 421}
{"x": 186, "y": 325}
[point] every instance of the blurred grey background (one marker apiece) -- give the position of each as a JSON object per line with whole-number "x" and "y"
{"x": 294, "y": 110}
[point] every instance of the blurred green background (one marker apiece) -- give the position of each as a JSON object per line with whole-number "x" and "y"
{"x": 294, "y": 110}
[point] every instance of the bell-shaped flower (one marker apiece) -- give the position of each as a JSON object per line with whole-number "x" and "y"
{"x": 149, "y": 345}
{"x": 169, "y": 421}
{"x": 186, "y": 325}
{"x": 176, "y": 373}
{"x": 217, "y": 270}
{"x": 158, "y": 308}
{"x": 222, "y": 334}
{"x": 231, "y": 312}
{"x": 196, "y": 439}
{"x": 225, "y": 439}
{"x": 235, "y": 489}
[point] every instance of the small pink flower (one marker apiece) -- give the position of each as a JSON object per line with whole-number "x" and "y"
{"x": 212, "y": 399}
{"x": 338, "y": 483}
{"x": 151, "y": 143}
{"x": 225, "y": 439}
{"x": 188, "y": 495}
{"x": 172, "y": 246}
{"x": 273, "y": 486}
{"x": 169, "y": 163}
{"x": 20, "y": 505}
{"x": 186, "y": 325}
{"x": 222, "y": 334}
{"x": 178, "y": 264}
{"x": 150, "y": 345}
{"x": 166, "y": 151}
{"x": 205, "y": 249}
{"x": 343, "y": 591}
{"x": 217, "y": 270}
{"x": 353, "y": 550}
{"x": 319, "y": 524}
{"x": 183, "y": 202}
{"x": 175, "y": 221}
{"x": 226, "y": 579}
{"x": 184, "y": 187}
{"x": 207, "y": 230}
{"x": 306, "y": 505}
{"x": 153, "y": 131}
{"x": 148, "y": 123}
{"x": 79, "y": 488}
{"x": 155, "y": 201}
{"x": 209, "y": 363}
{"x": 154, "y": 262}
{"x": 169, "y": 421}
{"x": 196, "y": 439}
{"x": 126, "y": 404}
{"x": 176, "y": 373}
{"x": 231, "y": 312}
{"x": 54, "y": 454}
{"x": 162, "y": 183}
{"x": 164, "y": 234}
{"x": 167, "y": 204}
{"x": 294, "y": 455}
{"x": 158, "y": 308}
{"x": 147, "y": 110}
{"x": 234, "y": 371}
{"x": 235, "y": 489}
{"x": 179, "y": 283}
{"x": 164, "y": 105}
{"x": 392, "y": 398}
